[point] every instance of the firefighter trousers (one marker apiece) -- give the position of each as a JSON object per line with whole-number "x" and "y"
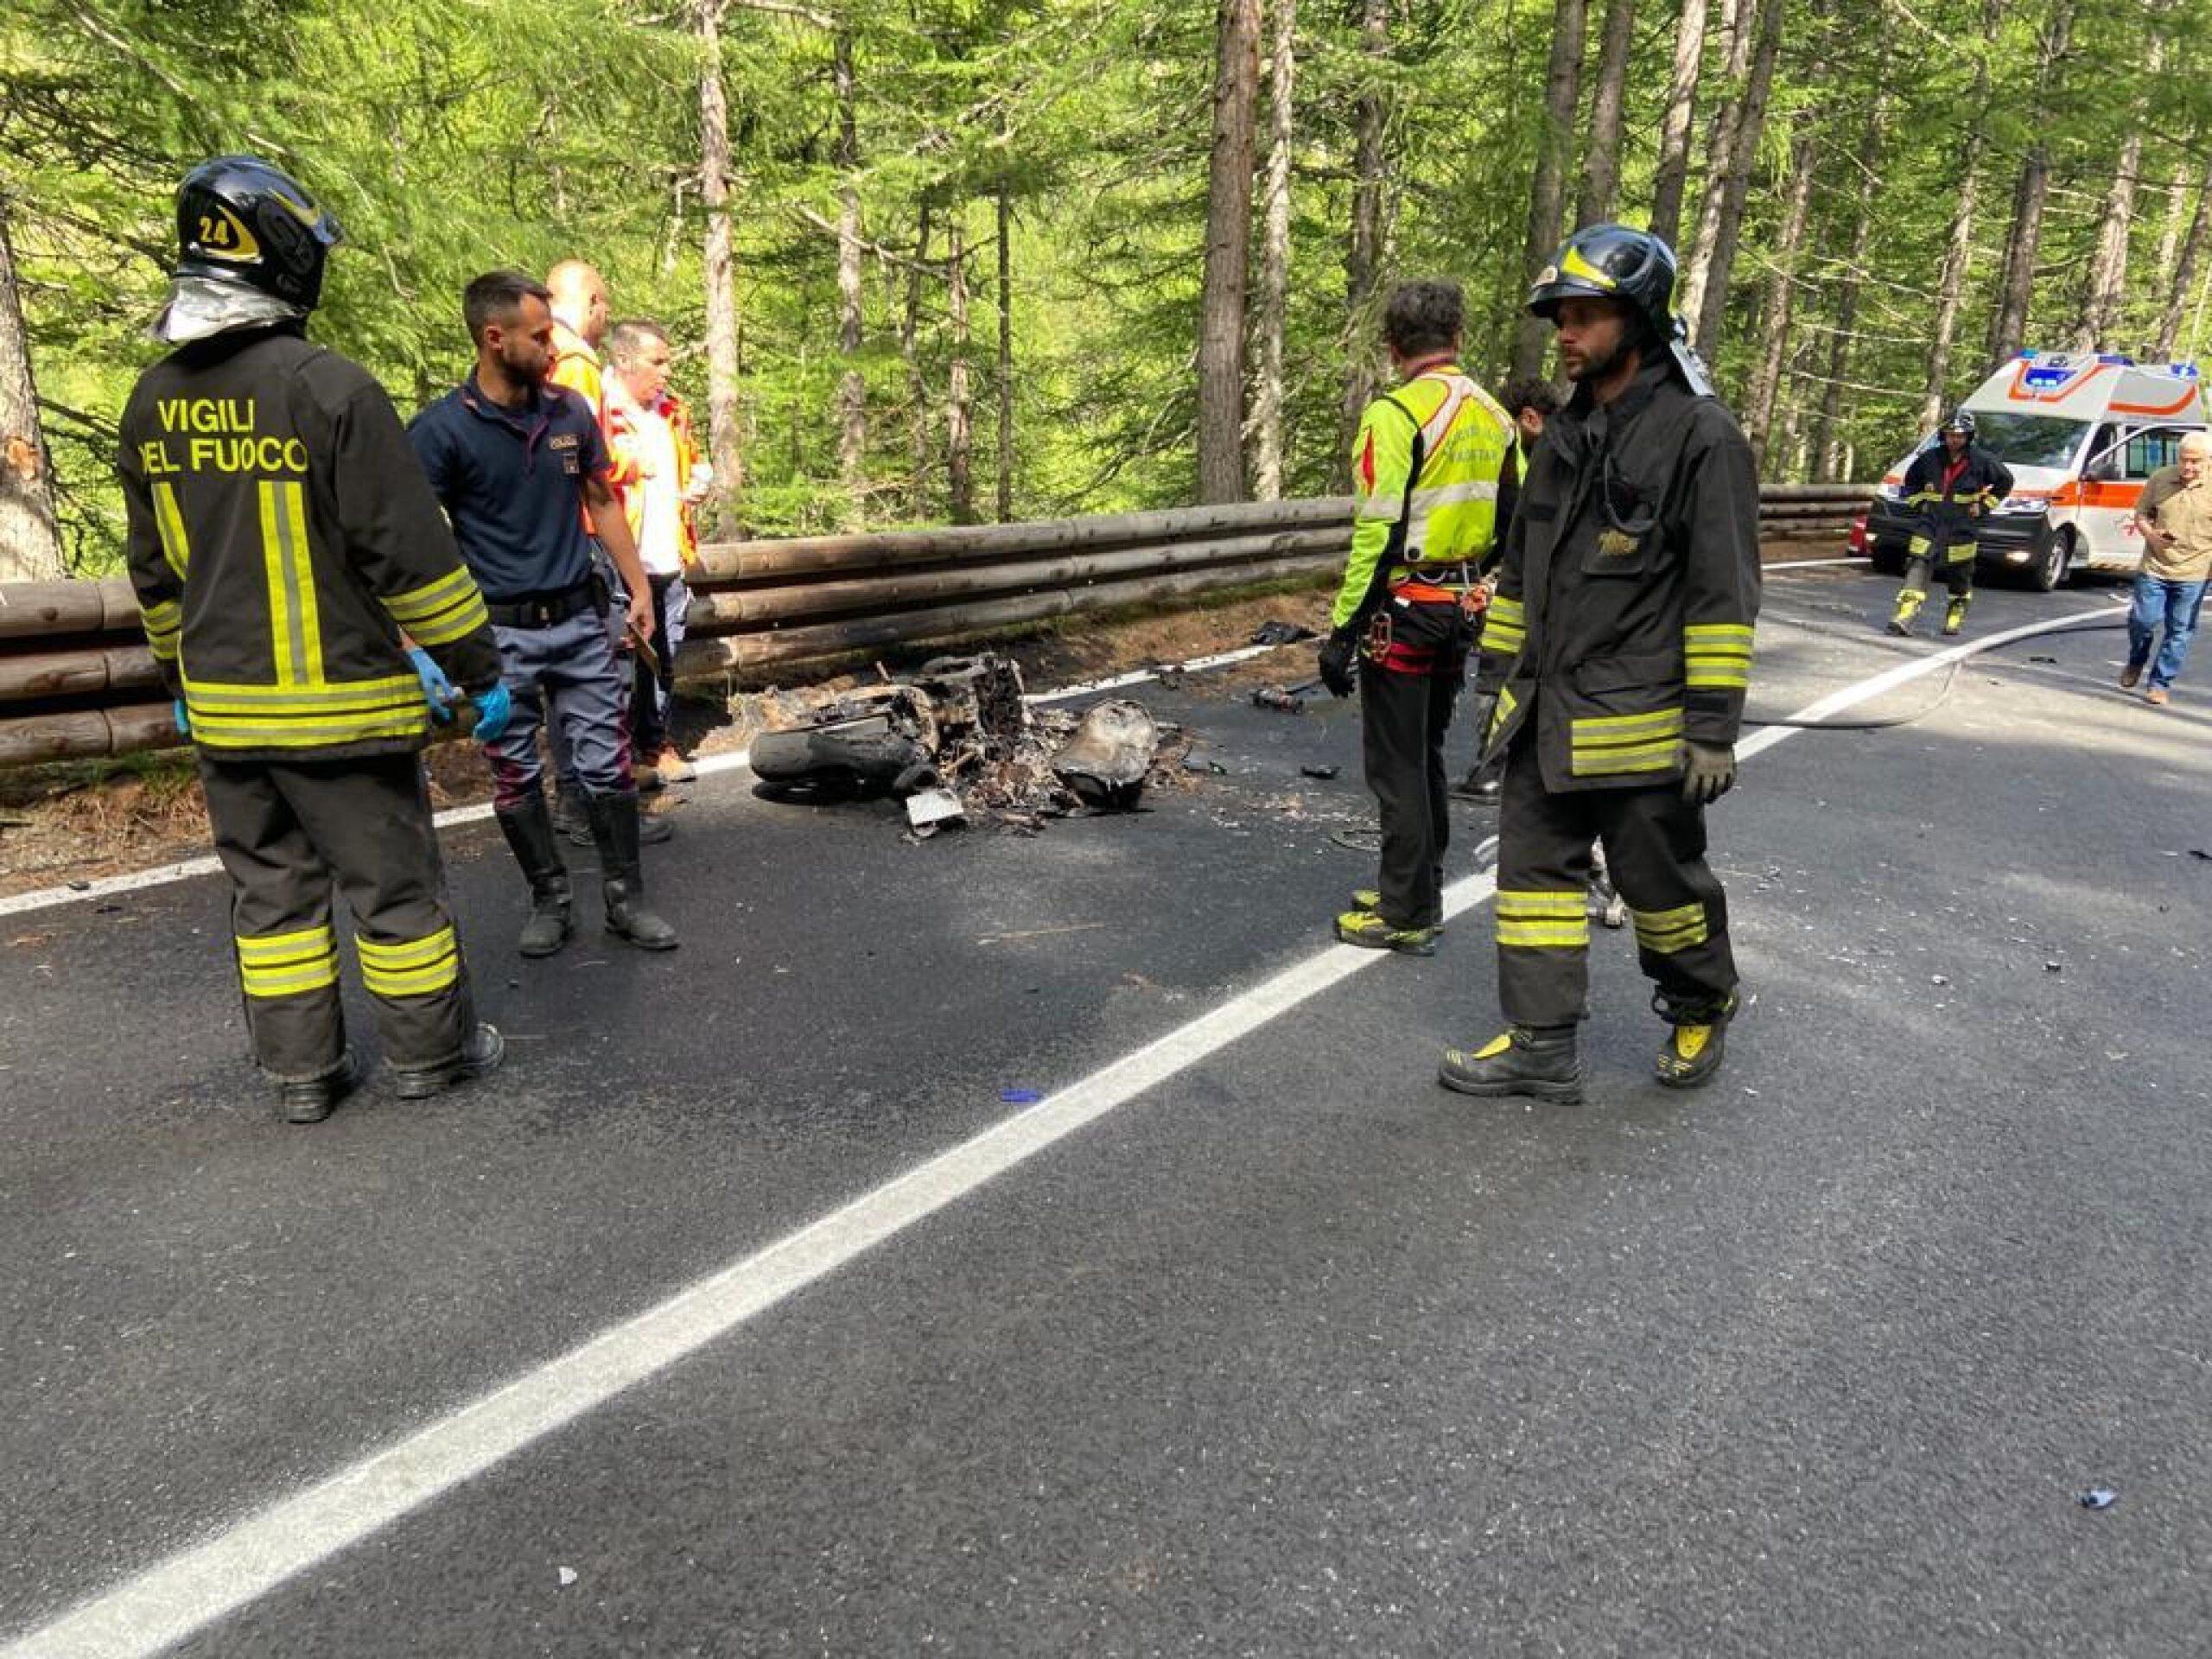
{"x": 1957, "y": 559}
{"x": 1653, "y": 843}
{"x": 1415, "y": 659}
{"x": 286, "y": 833}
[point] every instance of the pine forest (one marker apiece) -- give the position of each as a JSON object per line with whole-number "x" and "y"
{"x": 962, "y": 260}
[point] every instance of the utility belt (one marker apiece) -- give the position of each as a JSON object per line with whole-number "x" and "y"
{"x": 549, "y": 610}
{"x": 1459, "y": 584}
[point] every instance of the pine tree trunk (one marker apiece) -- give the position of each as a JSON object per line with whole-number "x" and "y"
{"x": 1958, "y": 250}
{"x": 1274, "y": 259}
{"x": 2104, "y": 285}
{"x": 2008, "y": 324}
{"x": 917, "y": 389}
{"x": 959, "y": 438}
{"x": 30, "y": 543}
{"x": 1006, "y": 355}
{"x": 1673, "y": 171}
{"x": 1827, "y": 444}
{"x": 1548, "y": 193}
{"x": 1601, "y": 148}
{"x": 1736, "y": 31}
{"x": 852, "y": 385}
{"x": 1758, "y": 401}
{"x": 725, "y": 439}
{"x": 1751, "y": 125}
{"x": 1229, "y": 240}
{"x": 2184, "y": 275}
{"x": 1363, "y": 246}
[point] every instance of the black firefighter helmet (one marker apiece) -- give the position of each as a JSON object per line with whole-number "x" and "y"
{"x": 1611, "y": 261}
{"x": 240, "y": 220}
{"x": 1962, "y": 421}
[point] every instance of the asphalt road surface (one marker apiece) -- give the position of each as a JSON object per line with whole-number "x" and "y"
{"x": 1247, "y": 1338}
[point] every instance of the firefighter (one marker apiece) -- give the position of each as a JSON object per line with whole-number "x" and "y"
{"x": 1619, "y": 647}
{"x": 1434, "y": 469}
{"x": 281, "y": 540}
{"x": 1949, "y": 484}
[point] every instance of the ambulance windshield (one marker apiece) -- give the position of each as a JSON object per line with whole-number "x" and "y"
{"x": 2029, "y": 440}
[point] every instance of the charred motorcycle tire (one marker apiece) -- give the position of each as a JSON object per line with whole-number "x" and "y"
{"x": 834, "y": 762}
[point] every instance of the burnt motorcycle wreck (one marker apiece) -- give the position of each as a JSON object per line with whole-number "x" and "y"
{"x": 956, "y": 740}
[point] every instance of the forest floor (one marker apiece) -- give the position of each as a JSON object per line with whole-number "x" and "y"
{"x": 78, "y": 821}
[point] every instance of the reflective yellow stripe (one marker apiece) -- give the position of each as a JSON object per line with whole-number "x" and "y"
{"x": 1719, "y": 634}
{"x": 1717, "y": 679}
{"x": 169, "y": 521}
{"x": 410, "y": 967}
{"x": 216, "y": 731}
{"x": 1507, "y": 703}
{"x": 440, "y": 612}
{"x": 286, "y": 964}
{"x": 1511, "y": 611}
{"x": 1598, "y": 763}
{"x": 1611, "y": 728}
{"x": 1559, "y": 902}
{"x": 1544, "y": 936}
{"x": 164, "y": 622}
{"x": 393, "y": 691}
{"x": 404, "y": 953}
{"x": 295, "y": 618}
{"x": 1665, "y": 931}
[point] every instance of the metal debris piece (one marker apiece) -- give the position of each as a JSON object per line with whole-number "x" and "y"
{"x": 1319, "y": 772}
{"x": 1110, "y": 757}
{"x": 928, "y": 807}
{"x": 1284, "y": 699}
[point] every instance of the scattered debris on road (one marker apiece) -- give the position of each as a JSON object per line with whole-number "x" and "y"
{"x": 2098, "y": 1497}
{"x": 1107, "y": 760}
{"x": 1322, "y": 773}
{"x": 1275, "y": 632}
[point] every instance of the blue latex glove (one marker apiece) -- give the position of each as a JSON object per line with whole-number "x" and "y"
{"x": 183, "y": 719}
{"x": 437, "y": 689}
{"x": 494, "y": 709}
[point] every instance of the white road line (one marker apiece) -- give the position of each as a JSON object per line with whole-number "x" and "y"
{"x": 191, "y": 1590}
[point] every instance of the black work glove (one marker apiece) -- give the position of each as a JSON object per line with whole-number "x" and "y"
{"x": 1708, "y": 773}
{"x": 1340, "y": 651}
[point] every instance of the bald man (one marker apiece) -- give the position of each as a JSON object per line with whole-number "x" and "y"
{"x": 2174, "y": 516}
{"x": 579, "y": 306}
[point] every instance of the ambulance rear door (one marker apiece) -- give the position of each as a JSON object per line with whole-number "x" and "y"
{"x": 2122, "y": 458}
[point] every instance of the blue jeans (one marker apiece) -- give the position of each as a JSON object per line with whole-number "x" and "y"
{"x": 2174, "y": 603}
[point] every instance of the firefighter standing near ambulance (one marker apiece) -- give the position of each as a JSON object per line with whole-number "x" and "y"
{"x": 1433, "y": 468}
{"x": 1619, "y": 647}
{"x": 1951, "y": 484}
{"x": 281, "y": 538}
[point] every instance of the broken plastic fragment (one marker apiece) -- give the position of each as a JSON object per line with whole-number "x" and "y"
{"x": 568, "y": 1576}
{"x": 1021, "y": 1097}
{"x": 2099, "y": 1497}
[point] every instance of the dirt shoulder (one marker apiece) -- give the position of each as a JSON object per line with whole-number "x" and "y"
{"x": 81, "y": 820}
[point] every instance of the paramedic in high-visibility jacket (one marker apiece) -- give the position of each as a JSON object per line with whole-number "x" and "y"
{"x": 282, "y": 539}
{"x": 1619, "y": 646}
{"x": 1950, "y": 487}
{"x": 1434, "y": 469}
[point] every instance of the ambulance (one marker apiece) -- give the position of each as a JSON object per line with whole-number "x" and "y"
{"x": 2081, "y": 433}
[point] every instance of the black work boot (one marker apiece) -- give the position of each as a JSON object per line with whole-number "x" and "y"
{"x": 614, "y": 827}
{"x": 529, "y": 829}
{"x": 481, "y": 1051}
{"x": 569, "y": 820}
{"x": 1477, "y": 785}
{"x": 1521, "y": 1060}
{"x": 1692, "y": 1049}
{"x": 312, "y": 1100}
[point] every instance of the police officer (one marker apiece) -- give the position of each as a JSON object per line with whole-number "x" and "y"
{"x": 1950, "y": 485}
{"x": 516, "y": 461}
{"x": 1619, "y": 646}
{"x": 1434, "y": 469}
{"x": 281, "y": 538}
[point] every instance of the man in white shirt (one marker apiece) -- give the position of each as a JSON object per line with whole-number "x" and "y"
{"x": 652, "y": 430}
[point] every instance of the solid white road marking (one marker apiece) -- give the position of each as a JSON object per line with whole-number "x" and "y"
{"x": 191, "y": 1590}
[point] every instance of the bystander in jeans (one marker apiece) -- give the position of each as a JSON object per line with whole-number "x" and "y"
{"x": 651, "y": 427}
{"x": 2175, "y": 519}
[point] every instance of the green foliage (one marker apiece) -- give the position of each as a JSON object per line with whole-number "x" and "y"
{"x": 453, "y": 137}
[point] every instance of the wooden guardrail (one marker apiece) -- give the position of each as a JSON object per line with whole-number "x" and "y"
{"x": 76, "y": 679}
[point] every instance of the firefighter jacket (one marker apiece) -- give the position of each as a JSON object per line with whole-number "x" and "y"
{"x": 1426, "y": 522}
{"x": 1622, "y": 625}
{"x": 576, "y": 366}
{"x": 1949, "y": 496}
{"x": 280, "y": 536}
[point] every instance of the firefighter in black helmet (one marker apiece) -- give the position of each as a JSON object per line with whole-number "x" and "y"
{"x": 1618, "y": 646}
{"x": 1950, "y": 485}
{"x": 284, "y": 546}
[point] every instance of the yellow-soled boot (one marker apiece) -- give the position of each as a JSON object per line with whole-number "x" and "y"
{"x": 1520, "y": 1060}
{"x": 1954, "y": 615}
{"x": 1692, "y": 1049}
{"x": 1367, "y": 929}
{"x": 1910, "y": 600}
